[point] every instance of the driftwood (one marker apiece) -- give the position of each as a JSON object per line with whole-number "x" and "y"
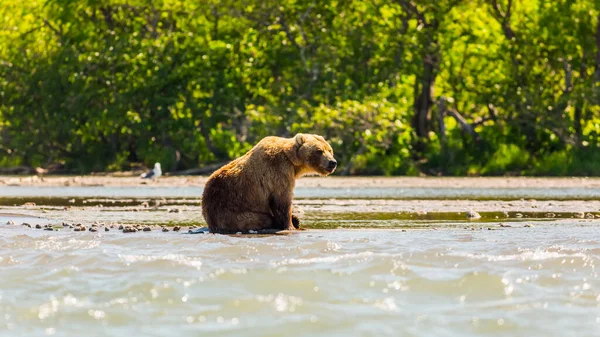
{"x": 199, "y": 171}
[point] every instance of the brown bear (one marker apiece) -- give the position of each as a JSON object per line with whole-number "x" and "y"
{"x": 255, "y": 191}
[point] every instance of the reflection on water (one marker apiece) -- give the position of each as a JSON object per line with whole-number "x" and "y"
{"x": 541, "y": 193}
{"x": 538, "y": 281}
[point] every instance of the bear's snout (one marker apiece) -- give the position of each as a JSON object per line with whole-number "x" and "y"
{"x": 332, "y": 164}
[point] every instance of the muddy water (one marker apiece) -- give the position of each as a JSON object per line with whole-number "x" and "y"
{"x": 383, "y": 267}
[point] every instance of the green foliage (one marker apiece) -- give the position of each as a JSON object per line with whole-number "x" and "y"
{"x": 450, "y": 87}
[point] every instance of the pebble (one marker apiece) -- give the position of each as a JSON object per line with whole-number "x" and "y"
{"x": 26, "y": 224}
{"x": 176, "y": 228}
{"x": 528, "y": 225}
{"x": 550, "y": 215}
{"x": 580, "y": 215}
{"x": 590, "y": 216}
{"x": 504, "y": 225}
{"x": 10, "y": 222}
{"x": 145, "y": 204}
{"x": 72, "y": 201}
{"x": 29, "y": 204}
{"x": 252, "y": 232}
{"x": 82, "y": 228}
{"x": 473, "y": 215}
{"x": 77, "y": 229}
{"x": 65, "y": 224}
{"x": 238, "y": 233}
{"x": 120, "y": 227}
{"x": 106, "y": 229}
{"x": 48, "y": 229}
{"x": 147, "y": 229}
{"x": 174, "y": 210}
{"x": 38, "y": 226}
{"x": 93, "y": 229}
{"x": 519, "y": 215}
{"x": 421, "y": 213}
{"x": 165, "y": 229}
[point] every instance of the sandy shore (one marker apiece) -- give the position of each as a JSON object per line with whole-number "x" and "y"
{"x": 328, "y": 182}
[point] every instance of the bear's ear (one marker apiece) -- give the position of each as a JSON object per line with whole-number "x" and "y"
{"x": 299, "y": 139}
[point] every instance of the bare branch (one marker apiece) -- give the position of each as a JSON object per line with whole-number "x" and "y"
{"x": 463, "y": 123}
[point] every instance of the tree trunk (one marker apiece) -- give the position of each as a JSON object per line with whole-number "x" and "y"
{"x": 423, "y": 97}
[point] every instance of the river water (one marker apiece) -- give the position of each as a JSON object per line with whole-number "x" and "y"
{"x": 538, "y": 280}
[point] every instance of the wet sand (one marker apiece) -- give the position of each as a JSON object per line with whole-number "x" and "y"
{"x": 325, "y": 182}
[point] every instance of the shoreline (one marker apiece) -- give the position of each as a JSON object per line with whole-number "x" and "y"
{"x": 324, "y": 182}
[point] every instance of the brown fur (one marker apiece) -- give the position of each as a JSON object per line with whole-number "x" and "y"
{"x": 255, "y": 191}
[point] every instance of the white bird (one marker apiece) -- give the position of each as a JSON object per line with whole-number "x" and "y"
{"x": 155, "y": 173}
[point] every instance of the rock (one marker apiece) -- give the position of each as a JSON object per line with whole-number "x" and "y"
{"x": 10, "y": 222}
{"x": 147, "y": 229}
{"x": 82, "y": 228}
{"x": 72, "y": 201}
{"x": 550, "y": 215}
{"x": 165, "y": 229}
{"x": 65, "y": 224}
{"x": 590, "y": 216}
{"x": 579, "y": 215}
{"x": 120, "y": 227}
{"x": 174, "y": 210}
{"x": 93, "y": 229}
{"x": 26, "y": 224}
{"x": 238, "y": 233}
{"x": 176, "y": 228}
{"x": 48, "y": 229}
{"x": 404, "y": 230}
{"x": 29, "y": 204}
{"x": 106, "y": 229}
{"x": 473, "y": 215}
{"x": 519, "y": 215}
{"x": 252, "y": 232}
{"x": 504, "y": 225}
{"x": 145, "y": 204}
{"x": 129, "y": 229}
{"x": 77, "y": 229}
{"x": 489, "y": 228}
{"x": 528, "y": 225}
{"x": 421, "y": 213}
{"x": 38, "y": 226}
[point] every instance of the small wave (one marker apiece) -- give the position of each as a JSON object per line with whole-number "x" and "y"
{"x": 535, "y": 255}
{"x": 178, "y": 259}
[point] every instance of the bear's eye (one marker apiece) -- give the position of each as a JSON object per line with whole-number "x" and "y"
{"x": 319, "y": 151}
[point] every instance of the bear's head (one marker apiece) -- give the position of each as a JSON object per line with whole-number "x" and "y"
{"x": 312, "y": 154}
